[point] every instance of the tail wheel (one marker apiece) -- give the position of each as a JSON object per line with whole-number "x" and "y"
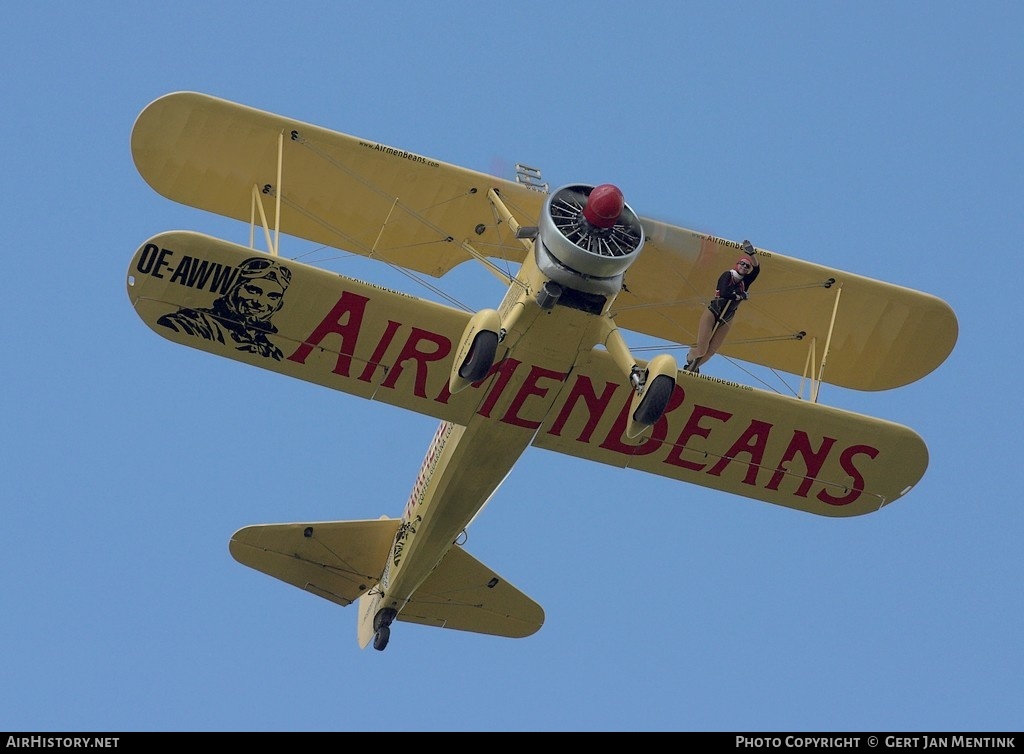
{"x": 384, "y": 617}
{"x": 480, "y": 358}
{"x": 653, "y": 405}
{"x": 381, "y": 638}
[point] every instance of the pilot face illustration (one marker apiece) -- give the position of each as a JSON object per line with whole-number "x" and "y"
{"x": 259, "y": 290}
{"x": 257, "y": 300}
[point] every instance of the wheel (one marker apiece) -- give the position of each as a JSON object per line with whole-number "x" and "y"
{"x": 654, "y": 402}
{"x": 480, "y": 358}
{"x": 380, "y": 639}
{"x": 384, "y": 617}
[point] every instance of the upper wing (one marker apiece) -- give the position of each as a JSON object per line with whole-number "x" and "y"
{"x": 877, "y": 335}
{"x": 429, "y": 216}
{"x": 339, "y": 190}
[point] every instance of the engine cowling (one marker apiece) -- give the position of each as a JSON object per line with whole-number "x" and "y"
{"x": 587, "y": 238}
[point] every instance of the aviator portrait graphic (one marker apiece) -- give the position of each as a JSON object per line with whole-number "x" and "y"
{"x": 242, "y": 315}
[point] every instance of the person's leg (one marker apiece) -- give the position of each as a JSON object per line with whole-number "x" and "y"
{"x": 705, "y": 328}
{"x": 716, "y": 342}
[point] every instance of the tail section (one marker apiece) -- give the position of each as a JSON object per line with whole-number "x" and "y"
{"x": 342, "y": 561}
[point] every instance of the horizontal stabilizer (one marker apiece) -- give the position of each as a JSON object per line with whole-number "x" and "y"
{"x": 336, "y": 560}
{"x": 464, "y": 594}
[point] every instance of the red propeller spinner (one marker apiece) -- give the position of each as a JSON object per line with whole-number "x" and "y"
{"x": 604, "y": 205}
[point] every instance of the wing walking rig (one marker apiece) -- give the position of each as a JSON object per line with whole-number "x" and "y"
{"x": 548, "y": 367}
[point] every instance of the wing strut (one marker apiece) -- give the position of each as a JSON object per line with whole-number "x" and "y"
{"x": 809, "y": 369}
{"x": 524, "y": 235}
{"x": 273, "y": 245}
{"x": 828, "y": 343}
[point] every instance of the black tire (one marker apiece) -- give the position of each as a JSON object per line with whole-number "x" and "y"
{"x": 381, "y": 638}
{"x": 384, "y": 617}
{"x": 653, "y": 405}
{"x": 480, "y": 358}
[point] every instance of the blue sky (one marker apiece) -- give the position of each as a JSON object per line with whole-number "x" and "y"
{"x": 880, "y": 138}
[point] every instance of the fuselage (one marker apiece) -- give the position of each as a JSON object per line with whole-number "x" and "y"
{"x": 464, "y": 465}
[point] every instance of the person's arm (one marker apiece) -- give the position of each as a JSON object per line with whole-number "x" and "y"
{"x": 752, "y": 275}
{"x": 748, "y": 249}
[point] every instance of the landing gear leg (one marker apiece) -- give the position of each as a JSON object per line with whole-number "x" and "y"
{"x": 637, "y": 378}
{"x": 652, "y": 386}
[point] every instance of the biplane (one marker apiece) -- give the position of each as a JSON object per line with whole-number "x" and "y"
{"x": 550, "y": 366}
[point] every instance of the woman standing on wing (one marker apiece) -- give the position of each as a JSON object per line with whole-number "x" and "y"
{"x": 716, "y": 318}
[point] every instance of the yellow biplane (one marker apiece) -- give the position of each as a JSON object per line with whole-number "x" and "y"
{"x": 549, "y": 366}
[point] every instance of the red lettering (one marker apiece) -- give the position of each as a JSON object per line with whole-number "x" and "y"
{"x": 754, "y": 442}
{"x": 530, "y": 387}
{"x": 813, "y": 461}
{"x": 445, "y": 395}
{"x": 379, "y": 351}
{"x": 846, "y": 461}
{"x": 353, "y": 307}
{"x": 504, "y": 368}
{"x": 693, "y": 428}
{"x": 583, "y": 389}
{"x": 411, "y": 350}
